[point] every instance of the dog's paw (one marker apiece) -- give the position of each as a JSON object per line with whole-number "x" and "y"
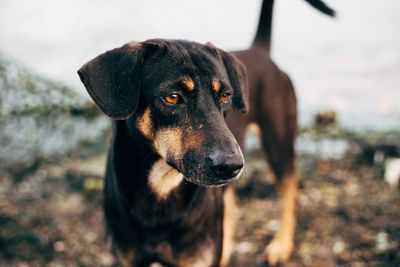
{"x": 279, "y": 250}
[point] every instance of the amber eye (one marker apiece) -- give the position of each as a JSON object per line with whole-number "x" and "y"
{"x": 172, "y": 99}
{"x": 225, "y": 97}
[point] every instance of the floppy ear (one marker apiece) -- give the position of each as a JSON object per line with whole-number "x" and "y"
{"x": 238, "y": 78}
{"x": 113, "y": 80}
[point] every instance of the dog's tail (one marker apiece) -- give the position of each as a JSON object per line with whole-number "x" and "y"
{"x": 321, "y": 6}
{"x": 263, "y": 35}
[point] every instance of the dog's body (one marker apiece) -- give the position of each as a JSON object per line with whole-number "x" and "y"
{"x": 172, "y": 150}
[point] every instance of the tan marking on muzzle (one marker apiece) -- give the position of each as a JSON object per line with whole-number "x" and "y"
{"x": 188, "y": 83}
{"x": 163, "y": 179}
{"x": 145, "y": 124}
{"x": 192, "y": 140}
{"x": 168, "y": 141}
{"x": 216, "y": 85}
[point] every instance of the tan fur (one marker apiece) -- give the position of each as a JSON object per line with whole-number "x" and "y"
{"x": 192, "y": 140}
{"x": 230, "y": 217}
{"x": 188, "y": 83}
{"x": 174, "y": 141}
{"x": 145, "y": 124}
{"x": 167, "y": 140}
{"x": 163, "y": 179}
{"x": 280, "y": 248}
{"x": 216, "y": 85}
{"x": 133, "y": 46}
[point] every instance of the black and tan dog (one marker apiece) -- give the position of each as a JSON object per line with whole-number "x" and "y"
{"x": 172, "y": 150}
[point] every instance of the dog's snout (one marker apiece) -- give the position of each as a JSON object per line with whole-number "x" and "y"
{"x": 226, "y": 166}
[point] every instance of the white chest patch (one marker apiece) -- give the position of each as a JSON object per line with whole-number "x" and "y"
{"x": 163, "y": 179}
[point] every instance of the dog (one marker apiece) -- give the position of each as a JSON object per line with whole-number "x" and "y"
{"x": 172, "y": 152}
{"x": 179, "y": 111}
{"x": 273, "y": 109}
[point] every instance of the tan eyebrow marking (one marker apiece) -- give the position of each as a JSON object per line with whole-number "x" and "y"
{"x": 188, "y": 83}
{"x": 216, "y": 85}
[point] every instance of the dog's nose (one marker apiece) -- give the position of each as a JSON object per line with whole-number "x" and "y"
{"x": 226, "y": 166}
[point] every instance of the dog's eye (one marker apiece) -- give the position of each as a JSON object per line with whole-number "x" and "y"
{"x": 172, "y": 99}
{"x": 225, "y": 97}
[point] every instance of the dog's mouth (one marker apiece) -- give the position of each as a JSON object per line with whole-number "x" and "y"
{"x": 211, "y": 181}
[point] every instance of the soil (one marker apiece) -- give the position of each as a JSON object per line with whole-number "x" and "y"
{"x": 347, "y": 216}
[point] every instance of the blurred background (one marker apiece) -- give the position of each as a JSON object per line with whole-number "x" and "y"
{"x": 346, "y": 72}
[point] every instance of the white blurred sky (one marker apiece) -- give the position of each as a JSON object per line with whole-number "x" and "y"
{"x": 350, "y": 64}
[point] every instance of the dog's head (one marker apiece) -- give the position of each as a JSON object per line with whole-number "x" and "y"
{"x": 175, "y": 94}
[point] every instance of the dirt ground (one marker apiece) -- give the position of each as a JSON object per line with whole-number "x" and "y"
{"x": 51, "y": 215}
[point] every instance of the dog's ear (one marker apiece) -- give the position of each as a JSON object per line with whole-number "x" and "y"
{"x": 113, "y": 80}
{"x": 238, "y": 78}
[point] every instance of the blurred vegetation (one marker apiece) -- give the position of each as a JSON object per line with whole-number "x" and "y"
{"x": 40, "y": 119}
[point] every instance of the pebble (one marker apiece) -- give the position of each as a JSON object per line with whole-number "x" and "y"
{"x": 338, "y": 247}
{"x": 273, "y": 225}
{"x": 382, "y": 241}
{"x": 392, "y": 171}
{"x": 59, "y": 246}
{"x": 245, "y": 248}
{"x": 106, "y": 258}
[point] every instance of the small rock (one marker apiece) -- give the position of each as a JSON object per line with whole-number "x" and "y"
{"x": 245, "y": 248}
{"x": 338, "y": 247}
{"x": 106, "y": 259}
{"x": 273, "y": 225}
{"x": 382, "y": 241}
{"x": 59, "y": 246}
{"x": 392, "y": 171}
